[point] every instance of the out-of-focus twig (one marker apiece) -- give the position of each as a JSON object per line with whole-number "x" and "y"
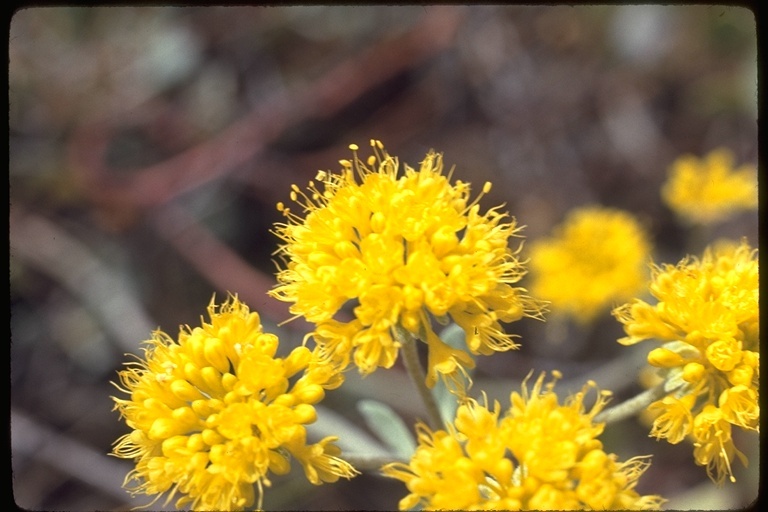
{"x": 158, "y": 184}
{"x": 218, "y": 263}
{"x": 71, "y": 457}
{"x": 615, "y": 375}
{"x": 40, "y": 243}
{"x": 337, "y": 88}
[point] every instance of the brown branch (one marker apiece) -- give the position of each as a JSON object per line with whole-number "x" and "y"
{"x": 71, "y": 457}
{"x": 40, "y": 243}
{"x": 245, "y": 138}
{"x": 220, "y": 265}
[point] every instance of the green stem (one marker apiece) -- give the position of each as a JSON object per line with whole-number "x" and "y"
{"x": 410, "y": 353}
{"x": 632, "y": 406}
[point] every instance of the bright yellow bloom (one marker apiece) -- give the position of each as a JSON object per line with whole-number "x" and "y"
{"x": 539, "y": 455}
{"x": 400, "y": 249}
{"x": 597, "y": 257}
{"x": 213, "y": 414}
{"x": 707, "y": 319}
{"x": 709, "y": 190}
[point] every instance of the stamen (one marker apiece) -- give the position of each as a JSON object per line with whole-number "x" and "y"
{"x": 725, "y": 456}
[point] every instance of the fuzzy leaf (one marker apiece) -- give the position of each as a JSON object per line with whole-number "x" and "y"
{"x": 388, "y": 426}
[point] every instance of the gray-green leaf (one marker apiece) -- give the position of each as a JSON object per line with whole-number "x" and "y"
{"x": 388, "y": 426}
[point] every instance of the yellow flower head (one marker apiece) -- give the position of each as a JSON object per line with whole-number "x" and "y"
{"x": 709, "y": 190}
{"x": 213, "y": 414}
{"x": 598, "y": 256}
{"x": 707, "y": 319}
{"x": 402, "y": 248}
{"x": 538, "y": 455}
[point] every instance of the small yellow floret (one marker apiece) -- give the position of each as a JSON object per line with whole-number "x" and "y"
{"x": 707, "y": 317}
{"x": 537, "y": 455}
{"x": 400, "y": 248}
{"x": 597, "y": 257}
{"x": 224, "y": 414}
{"x": 710, "y": 190}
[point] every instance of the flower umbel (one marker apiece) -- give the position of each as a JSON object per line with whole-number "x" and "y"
{"x": 598, "y": 256}
{"x": 215, "y": 412}
{"x": 707, "y": 319}
{"x": 709, "y": 190}
{"x": 538, "y": 455}
{"x": 400, "y": 249}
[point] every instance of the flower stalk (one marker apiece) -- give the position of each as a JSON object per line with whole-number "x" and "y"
{"x": 632, "y": 406}
{"x": 413, "y": 367}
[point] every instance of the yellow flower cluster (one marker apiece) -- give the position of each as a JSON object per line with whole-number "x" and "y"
{"x": 400, "y": 249}
{"x": 597, "y": 257}
{"x": 709, "y": 190}
{"x": 707, "y": 317}
{"x": 213, "y": 414}
{"x": 539, "y": 455}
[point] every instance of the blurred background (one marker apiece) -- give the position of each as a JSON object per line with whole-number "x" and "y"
{"x": 149, "y": 146}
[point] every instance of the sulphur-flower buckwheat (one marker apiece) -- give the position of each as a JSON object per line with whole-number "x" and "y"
{"x": 711, "y": 189}
{"x": 402, "y": 249}
{"x": 538, "y": 455}
{"x": 707, "y": 319}
{"x": 597, "y": 257}
{"x": 214, "y": 413}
